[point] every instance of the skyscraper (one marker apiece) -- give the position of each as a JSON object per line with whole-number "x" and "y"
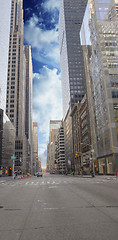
{"x": 15, "y": 105}
{"x": 99, "y": 37}
{"x": 5, "y": 13}
{"x": 72, "y": 69}
{"x": 28, "y": 107}
{"x": 19, "y": 88}
{"x": 72, "y": 66}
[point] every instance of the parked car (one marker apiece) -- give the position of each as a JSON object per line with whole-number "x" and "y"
{"x": 39, "y": 174}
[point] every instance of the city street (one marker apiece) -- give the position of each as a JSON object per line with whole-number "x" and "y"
{"x": 59, "y": 207}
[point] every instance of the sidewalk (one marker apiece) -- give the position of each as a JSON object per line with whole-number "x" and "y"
{"x": 97, "y": 176}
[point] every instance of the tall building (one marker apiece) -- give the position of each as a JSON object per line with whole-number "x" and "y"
{"x": 5, "y": 13}
{"x": 99, "y": 37}
{"x": 19, "y": 89}
{"x": 72, "y": 66}
{"x": 72, "y": 69}
{"x": 60, "y": 151}
{"x": 15, "y": 105}
{"x": 28, "y": 103}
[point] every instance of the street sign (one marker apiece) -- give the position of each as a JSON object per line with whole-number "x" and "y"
{"x": 13, "y": 157}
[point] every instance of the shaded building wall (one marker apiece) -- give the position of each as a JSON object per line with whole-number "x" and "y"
{"x": 81, "y": 137}
{"x": 28, "y": 112}
{"x": 68, "y": 141}
{"x": 8, "y": 146}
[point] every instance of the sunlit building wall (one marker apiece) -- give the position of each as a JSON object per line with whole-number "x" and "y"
{"x": 101, "y": 66}
{"x": 15, "y": 105}
{"x": 53, "y": 132}
{"x": 60, "y": 151}
{"x": 16, "y": 85}
{"x": 5, "y": 12}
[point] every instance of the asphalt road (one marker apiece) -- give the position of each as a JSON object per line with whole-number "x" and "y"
{"x": 55, "y": 207}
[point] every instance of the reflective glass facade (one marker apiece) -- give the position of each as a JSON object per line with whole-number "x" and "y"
{"x": 101, "y": 66}
{"x": 72, "y": 70}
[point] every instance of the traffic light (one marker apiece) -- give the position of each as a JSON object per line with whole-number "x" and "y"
{"x": 76, "y": 154}
{"x": 112, "y": 150}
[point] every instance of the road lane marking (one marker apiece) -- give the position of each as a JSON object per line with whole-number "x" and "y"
{"x": 51, "y": 208}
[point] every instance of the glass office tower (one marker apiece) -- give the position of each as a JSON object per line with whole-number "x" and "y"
{"x": 72, "y": 69}
{"x": 100, "y": 47}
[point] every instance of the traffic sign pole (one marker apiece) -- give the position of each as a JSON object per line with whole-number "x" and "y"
{"x": 13, "y": 158}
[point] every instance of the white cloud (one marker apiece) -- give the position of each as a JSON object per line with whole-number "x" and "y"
{"x": 47, "y": 100}
{"x": 51, "y": 5}
{"x": 44, "y": 41}
{"x": 47, "y": 104}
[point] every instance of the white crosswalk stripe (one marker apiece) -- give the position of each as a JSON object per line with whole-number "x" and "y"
{"x": 55, "y": 182}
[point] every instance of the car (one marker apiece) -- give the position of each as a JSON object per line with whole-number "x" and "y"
{"x": 39, "y": 174}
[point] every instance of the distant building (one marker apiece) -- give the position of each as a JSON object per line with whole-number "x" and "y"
{"x": 48, "y": 159}
{"x": 53, "y": 132}
{"x": 68, "y": 141}
{"x": 60, "y": 151}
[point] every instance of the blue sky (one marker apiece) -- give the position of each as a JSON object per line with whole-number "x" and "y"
{"x": 41, "y": 32}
